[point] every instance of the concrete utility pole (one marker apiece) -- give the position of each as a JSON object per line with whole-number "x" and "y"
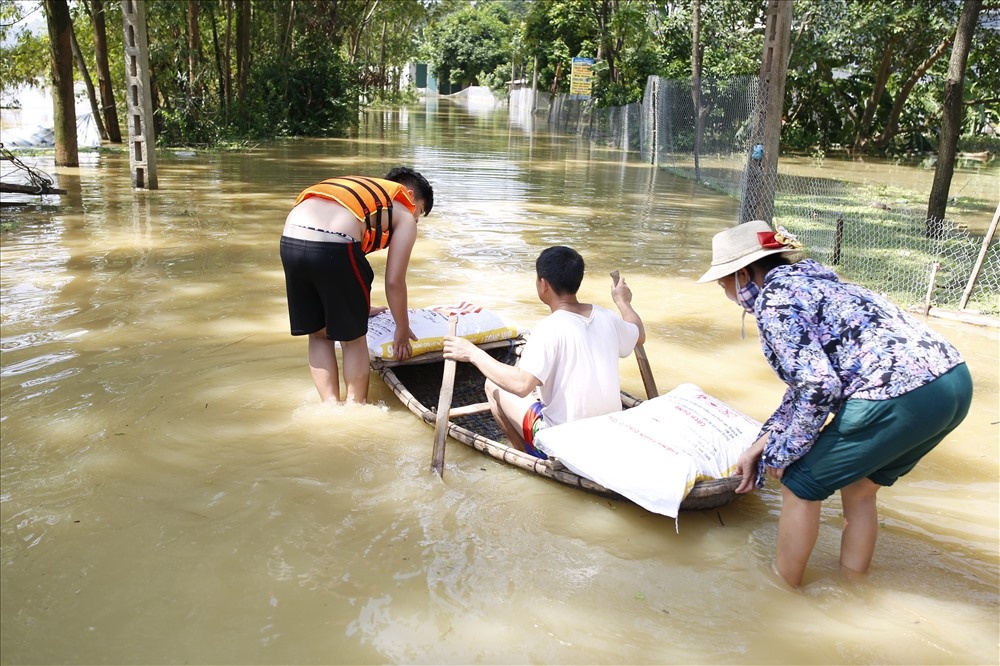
{"x": 142, "y": 142}
{"x": 761, "y": 171}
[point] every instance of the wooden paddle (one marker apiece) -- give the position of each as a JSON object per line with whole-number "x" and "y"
{"x": 640, "y": 355}
{"x": 444, "y": 406}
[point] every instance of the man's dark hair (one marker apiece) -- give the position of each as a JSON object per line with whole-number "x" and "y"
{"x": 412, "y": 180}
{"x": 561, "y": 267}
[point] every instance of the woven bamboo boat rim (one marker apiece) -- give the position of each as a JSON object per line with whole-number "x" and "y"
{"x": 705, "y": 494}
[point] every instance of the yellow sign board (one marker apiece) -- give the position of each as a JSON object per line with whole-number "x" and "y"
{"x": 580, "y": 80}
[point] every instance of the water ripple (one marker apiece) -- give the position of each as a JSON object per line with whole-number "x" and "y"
{"x": 36, "y": 363}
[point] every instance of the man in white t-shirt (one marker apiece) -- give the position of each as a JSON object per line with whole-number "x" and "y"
{"x": 569, "y": 365}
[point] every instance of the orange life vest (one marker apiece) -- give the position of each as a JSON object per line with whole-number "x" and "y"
{"x": 366, "y": 198}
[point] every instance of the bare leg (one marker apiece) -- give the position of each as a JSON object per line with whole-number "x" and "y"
{"x": 356, "y": 369}
{"x": 798, "y": 528}
{"x": 857, "y": 540}
{"x": 323, "y": 366}
{"x": 505, "y": 408}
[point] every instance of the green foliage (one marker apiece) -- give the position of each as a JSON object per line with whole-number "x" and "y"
{"x": 298, "y": 82}
{"x": 979, "y": 144}
{"x": 83, "y": 29}
{"x": 183, "y": 116}
{"x": 619, "y": 34}
{"x": 556, "y": 31}
{"x": 471, "y": 43}
{"x": 629, "y": 52}
{"x": 310, "y": 62}
{"x": 24, "y": 57}
{"x": 839, "y": 49}
{"x": 982, "y": 76}
{"x": 884, "y": 242}
{"x": 731, "y": 38}
{"x": 312, "y": 94}
{"x": 392, "y": 98}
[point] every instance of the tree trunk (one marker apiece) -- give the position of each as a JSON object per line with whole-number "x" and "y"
{"x": 219, "y": 70}
{"x": 555, "y": 80}
{"x": 81, "y": 64}
{"x": 603, "y": 12}
{"x": 609, "y": 7}
{"x": 863, "y": 135}
{"x": 366, "y": 12}
{"x": 332, "y": 23}
{"x": 951, "y": 120}
{"x": 227, "y": 59}
{"x": 242, "y": 50}
{"x": 108, "y": 107}
{"x": 194, "y": 48}
{"x": 287, "y": 42}
{"x": 381, "y": 58}
{"x": 287, "y": 38}
{"x": 892, "y": 123}
{"x": 699, "y": 123}
{"x": 63, "y": 107}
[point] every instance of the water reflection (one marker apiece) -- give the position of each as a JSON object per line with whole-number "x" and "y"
{"x": 172, "y": 490}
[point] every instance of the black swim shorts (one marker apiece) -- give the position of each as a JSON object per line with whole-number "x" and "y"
{"x": 327, "y": 285}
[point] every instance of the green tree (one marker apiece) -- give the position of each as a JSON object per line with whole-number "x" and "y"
{"x": 863, "y": 74}
{"x": 554, "y": 32}
{"x": 951, "y": 121}
{"x": 731, "y": 38}
{"x": 618, "y": 34}
{"x": 97, "y": 15}
{"x": 84, "y": 71}
{"x": 24, "y": 56}
{"x": 313, "y": 92}
{"x": 729, "y": 46}
{"x": 264, "y": 68}
{"x": 471, "y": 46}
{"x": 383, "y": 43}
{"x": 626, "y": 50}
{"x": 982, "y": 82}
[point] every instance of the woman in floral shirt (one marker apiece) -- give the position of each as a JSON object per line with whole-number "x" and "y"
{"x": 893, "y": 387}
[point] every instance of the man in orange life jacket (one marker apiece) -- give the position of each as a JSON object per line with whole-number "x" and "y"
{"x": 328, "y": 279}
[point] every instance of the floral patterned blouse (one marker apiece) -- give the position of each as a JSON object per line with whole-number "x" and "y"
{"x": 831, "y": 341}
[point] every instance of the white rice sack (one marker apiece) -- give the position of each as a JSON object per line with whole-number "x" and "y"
{"x": 430, "y": 325}
{"x": 655, "y": 452}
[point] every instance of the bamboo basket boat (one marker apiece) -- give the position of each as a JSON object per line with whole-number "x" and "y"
{"x": 416, "y": 382}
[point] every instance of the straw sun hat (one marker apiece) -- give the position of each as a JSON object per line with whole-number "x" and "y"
{"x": 744, "y": 244}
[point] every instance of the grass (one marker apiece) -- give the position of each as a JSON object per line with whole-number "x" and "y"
{"x": 883, "y": 243}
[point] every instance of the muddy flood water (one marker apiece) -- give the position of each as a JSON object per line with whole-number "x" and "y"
{"x": 174, "y": 492}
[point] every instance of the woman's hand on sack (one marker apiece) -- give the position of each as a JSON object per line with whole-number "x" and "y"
{"x": 746, "y": 465}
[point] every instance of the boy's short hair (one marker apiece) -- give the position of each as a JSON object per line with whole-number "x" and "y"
{"x": 412, "y": 180}
{"x": 562, "y": 267}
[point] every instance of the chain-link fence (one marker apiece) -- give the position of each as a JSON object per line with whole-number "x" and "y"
{"x": 862, "y": 228}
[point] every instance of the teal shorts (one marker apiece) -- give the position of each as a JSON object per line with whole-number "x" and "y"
{"x": 881, "y": 439}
